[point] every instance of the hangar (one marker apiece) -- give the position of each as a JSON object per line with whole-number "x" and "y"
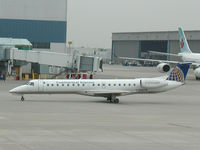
{"x": 43, "y": 23}
{"x": 137, "y": 44}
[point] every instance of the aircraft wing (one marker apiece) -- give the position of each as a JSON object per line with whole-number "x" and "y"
{"x": 150, "y": 60}
{"x": 106, "y": 93}
{"x": 165, "y": 54}
{"x": 195, "y": 65}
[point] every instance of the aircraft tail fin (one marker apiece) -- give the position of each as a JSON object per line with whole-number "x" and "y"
{"x": 179, "y": 73}
{"x": 183, "y": 42}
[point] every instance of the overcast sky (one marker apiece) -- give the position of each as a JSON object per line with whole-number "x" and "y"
{"x": 92, "y": 22}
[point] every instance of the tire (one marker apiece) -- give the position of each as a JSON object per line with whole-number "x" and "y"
{"x": 22, "y": 98}
{"x": 109, "y": 99}
{"x": 116, "y": 101}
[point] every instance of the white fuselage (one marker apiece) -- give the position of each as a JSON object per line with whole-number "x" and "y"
{"x": 96, "y": 87}
{"x": 190, "y": 57}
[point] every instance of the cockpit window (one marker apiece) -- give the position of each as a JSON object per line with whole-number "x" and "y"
{"x": 31, "y": 84}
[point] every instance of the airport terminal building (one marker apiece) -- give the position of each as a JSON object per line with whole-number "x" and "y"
{"x": 42, "y": 22}
{"x": 137, "y": 44}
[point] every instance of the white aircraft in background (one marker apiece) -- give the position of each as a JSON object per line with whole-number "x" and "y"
{"x": 186, "y": 55}
{"x": 107, "y": 88}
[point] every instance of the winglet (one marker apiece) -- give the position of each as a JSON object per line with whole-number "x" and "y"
{"x": 183, "y": 42}
{"x": 179, "y": 73}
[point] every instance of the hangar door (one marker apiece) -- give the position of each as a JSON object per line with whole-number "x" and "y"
{"x": 159, "y": 46}
{"x": 125, "y": 49}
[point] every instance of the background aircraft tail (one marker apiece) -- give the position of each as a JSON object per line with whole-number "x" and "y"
{"x": 183, "y": 42}
{"x": 179, "y": 73}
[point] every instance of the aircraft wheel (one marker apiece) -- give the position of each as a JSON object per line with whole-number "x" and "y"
{"x": 116, "y": 101}
{"x": 197, "y": 78}
{"x": 22, "y": 98}
{"x": 109, "y": 100}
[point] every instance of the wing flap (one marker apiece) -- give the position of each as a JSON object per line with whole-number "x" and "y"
{"x": 150, "y": 60}
{"x": 105, "y": 93}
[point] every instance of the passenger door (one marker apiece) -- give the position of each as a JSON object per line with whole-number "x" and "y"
{"x": 41, "y": 85}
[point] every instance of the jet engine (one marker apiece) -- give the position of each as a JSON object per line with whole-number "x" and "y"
{"x": 152, "y": 83}
{"x": 197, "y": 73}
{"x": 163, "y": 67}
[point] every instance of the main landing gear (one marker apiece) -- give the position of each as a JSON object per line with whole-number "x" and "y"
{"x": 113, "y": 100}
{"x": 22, "y": 98}
{"x": 197, "y": 78}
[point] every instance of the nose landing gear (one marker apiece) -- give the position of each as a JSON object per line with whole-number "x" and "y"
{"x": 22, "y": 98}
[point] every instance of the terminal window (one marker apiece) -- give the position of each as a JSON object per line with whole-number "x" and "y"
{"x": 41, "y": 45}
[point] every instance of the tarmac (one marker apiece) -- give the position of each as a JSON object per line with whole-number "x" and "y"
{"x": 167, "y": 121}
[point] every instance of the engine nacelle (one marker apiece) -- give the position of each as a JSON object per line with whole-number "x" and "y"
{"x": 163, "y": 67}
{"x": 197, "y": 73}
{"x": 152, "y": 83}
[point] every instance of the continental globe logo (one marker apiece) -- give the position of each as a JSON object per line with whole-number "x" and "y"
{"x": 176, "y": 75}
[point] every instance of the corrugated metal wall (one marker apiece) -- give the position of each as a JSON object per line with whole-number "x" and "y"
{"x": 125, "y": 49}
{"x": 174, "y": 47}
{"x": 194, "y": 45}
{"x": 34, "y": 30}
{"x": 54, "y": 10}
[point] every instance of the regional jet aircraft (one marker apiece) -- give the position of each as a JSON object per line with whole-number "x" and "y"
{"x": 186, "y": 55}
{"x": 107, "y": 88}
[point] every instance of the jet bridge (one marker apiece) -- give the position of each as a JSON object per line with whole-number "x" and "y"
{"x": 19, "y": 54}
{"x": 75, "y": 62}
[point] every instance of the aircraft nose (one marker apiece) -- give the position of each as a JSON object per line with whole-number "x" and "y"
{"x": 14, "y": 91}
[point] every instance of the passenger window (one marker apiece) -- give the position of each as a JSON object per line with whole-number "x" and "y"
{"x": 83, "y": 84}
{"x": 98, "y": 84}
{"x": 47, "y": 84}
{"x": 51, "y": 84}
{"x": 114, "y": 84}
{"x": 67, "y": 84}
{"x": 62, "y": 84}
{"x": 93, "y": 84}
{"x": 129, "y": 84}
{"x": 78, "y": 84}
{"x": 133, "y": 84}
{"x": 57, "y": 84}
{"x": 72, "y": 84}
{"x": 124, "y": 84}
{"x": 108, "y": 84}
{"x": 119, "y": 84}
